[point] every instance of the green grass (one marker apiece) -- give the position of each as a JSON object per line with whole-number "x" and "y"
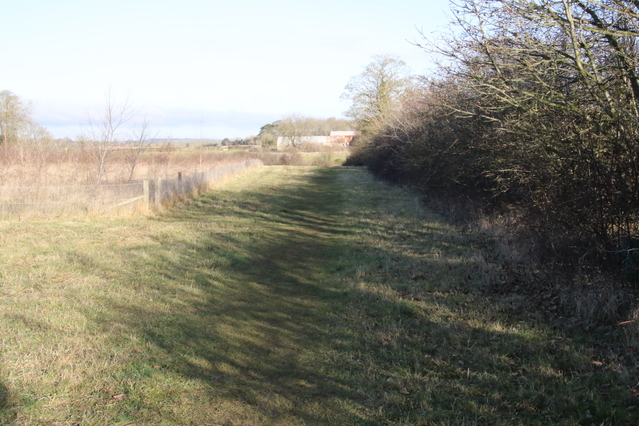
{"x": 326, "y": 158}
{"x": 293, "y": 295}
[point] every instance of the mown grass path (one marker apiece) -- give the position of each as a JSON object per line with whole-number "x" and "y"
{"x": 291, "y": 295}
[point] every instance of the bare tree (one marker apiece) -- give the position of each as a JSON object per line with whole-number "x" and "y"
{"x": 377, "y": 90}
{"x": 138, "y": 144}
{"x": 105, "y": 134}
{"x": 294, "y": 127}
{"x": 557, "y": 80}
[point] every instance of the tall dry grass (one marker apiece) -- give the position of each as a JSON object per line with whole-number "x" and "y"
{"x": 75, "y": 164}
{"x": 56, "y": 179}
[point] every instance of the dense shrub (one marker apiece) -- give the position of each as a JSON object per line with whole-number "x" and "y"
{"x": 536, "y": 112}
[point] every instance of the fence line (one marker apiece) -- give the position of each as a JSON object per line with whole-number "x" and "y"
{"x": 163, "y": 191}
{"x": 59, "y": 200}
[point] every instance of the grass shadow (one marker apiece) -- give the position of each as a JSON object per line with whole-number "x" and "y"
{"x": 245, "y": 307}
{"x": 7, "y": 411}
{"x": 312, "y": 301}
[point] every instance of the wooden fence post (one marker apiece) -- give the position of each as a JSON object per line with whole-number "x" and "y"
{"x": 145, "y": 186}
{"x": 158, "y": 192}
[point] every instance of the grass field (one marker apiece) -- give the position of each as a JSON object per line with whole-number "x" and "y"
{"x": 291, "y": 296}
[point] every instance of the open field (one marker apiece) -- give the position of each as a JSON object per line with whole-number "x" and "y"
{"x": 69, "y": 181}
{"x": 75, "y": 165}
{"x": 291, "y": 296}
{"x": 79, "y": 165}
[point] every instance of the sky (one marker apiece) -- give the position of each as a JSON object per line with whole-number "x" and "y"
{"x": 202, "y": 68}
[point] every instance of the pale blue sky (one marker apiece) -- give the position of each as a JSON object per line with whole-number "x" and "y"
{"x": 194, "y": 67}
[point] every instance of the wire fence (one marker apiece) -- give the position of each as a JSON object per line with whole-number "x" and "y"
{"x": 56, "y": 201}
{"x": 166, "y": 191}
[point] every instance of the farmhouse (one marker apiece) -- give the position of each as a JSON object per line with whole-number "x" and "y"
{"x": 336, "y": 138}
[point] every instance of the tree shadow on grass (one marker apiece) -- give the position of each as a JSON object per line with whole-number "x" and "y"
{"x": 7, "y": 411}
{"x": 257, "y": 311}
{"x": 249, "y": 312}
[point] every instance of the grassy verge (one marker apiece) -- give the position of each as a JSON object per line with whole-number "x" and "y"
{"x": 293, "y": 295}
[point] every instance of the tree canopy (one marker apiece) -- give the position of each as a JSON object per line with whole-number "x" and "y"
{"x": 377, "y": 91}
{"x": 16, "y": 123}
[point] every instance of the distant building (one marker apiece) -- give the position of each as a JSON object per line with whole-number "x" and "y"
{"x": 336, "y": 138}
{"x": 342, "y": 137}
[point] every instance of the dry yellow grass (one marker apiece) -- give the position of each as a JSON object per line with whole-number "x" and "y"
{"x": 291, "y": 296}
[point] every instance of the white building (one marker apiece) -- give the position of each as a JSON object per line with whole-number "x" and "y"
{"x": 337, "y": 137}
